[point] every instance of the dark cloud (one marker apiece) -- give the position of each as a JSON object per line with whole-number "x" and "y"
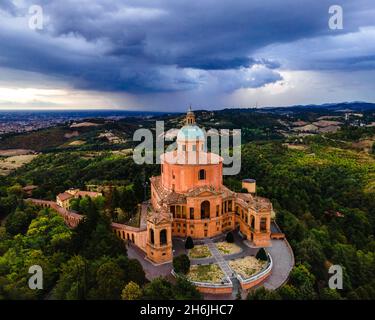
{"x": 214, "y": 63}
{"x": 8, "y": 6}
{"x": 144, "y": 46}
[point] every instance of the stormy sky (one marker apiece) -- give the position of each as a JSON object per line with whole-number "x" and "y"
{"x": 167, "y": 54}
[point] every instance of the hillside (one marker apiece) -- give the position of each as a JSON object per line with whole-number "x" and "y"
{"x": 322, "y": 187}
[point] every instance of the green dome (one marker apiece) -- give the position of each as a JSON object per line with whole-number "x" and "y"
{"x": 190, "y": 133}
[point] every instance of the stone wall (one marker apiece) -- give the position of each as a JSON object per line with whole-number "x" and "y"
{"x": 127, "y": 233}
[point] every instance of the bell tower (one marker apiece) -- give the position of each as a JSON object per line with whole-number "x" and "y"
{"x": 190, "y": 117}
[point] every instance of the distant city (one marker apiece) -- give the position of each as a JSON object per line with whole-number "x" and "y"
{"x": 21, "y": 121}
{"x": 332, "y": 117}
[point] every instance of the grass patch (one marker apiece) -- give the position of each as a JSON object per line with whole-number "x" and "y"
{"x": 227, "y": 248}
{"x": 199, "y": 252}
{"x": 206, "y": 273}
{"x": 247, "y": 266}
{"x": 7, "y": 165}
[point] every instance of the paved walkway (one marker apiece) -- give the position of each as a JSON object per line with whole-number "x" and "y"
{"x": 283, "y": 262}
{"x": 152, "y": 271}
{"x": 222, "y": 263}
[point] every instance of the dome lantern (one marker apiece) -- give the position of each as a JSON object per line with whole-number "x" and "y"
{"x": 190, "y": 117}
{"x": 190, "y": 137}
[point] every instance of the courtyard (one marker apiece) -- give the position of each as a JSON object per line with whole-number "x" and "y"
{"x": 214, "y": 260}
{"x": 206, "y": 251}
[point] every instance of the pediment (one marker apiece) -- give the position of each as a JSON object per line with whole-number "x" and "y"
{"x": 162, "y": 221}
{"x": 158, "y": 219}
{"x": 205, "y": 194}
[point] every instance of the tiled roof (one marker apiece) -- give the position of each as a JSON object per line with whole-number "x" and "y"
{"x": 90, "y": 194}
{"x": 261, "y": 204}
{"x": 64, "y": 196}
{"x": 158, "y": 216}
{"x": 29, "y": 187}
{"x": 171, "y": 197}
{"x": 165, "y": 195}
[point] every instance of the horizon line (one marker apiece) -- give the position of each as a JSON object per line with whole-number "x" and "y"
{"x": 197, "y": 109}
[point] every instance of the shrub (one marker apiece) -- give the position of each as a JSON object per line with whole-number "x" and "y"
{"x": 132, "y": 291}
{"x": 229, "y": 237}
{"x": 181, "y": 264}
{"x": 262, "y": 255}
{"x": 19, "y": 221}
{"x": 189, "y": 244}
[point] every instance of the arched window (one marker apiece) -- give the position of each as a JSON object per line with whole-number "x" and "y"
{"x": 202, "y": 174}
{"x": 252, "y": 223}
{"x": 163, "y": 237}
{"x": 152, "y": 240}
{"x": 205, "y": 210}
{"x": 191, "y": 213}
{"x": 263, "y": 225}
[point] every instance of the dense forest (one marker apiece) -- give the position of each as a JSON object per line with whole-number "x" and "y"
{"x": 325, "y": 203}
{"x": 323, "y": 194}
{"x": 89, "y": 262}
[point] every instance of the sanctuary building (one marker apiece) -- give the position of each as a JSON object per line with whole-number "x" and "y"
{"x": 189, "y": 199}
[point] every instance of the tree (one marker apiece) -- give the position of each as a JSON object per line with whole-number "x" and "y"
{"x": 131, "y": 291}
{"x": 49, "y": 233}
{"x": 109, "y": 279}
{"x": 262, "y": 255}
{"x": 229, "y": 237}
{"x": 102, "y": 242}
{"x": 72, "y": 282}
{"x": 309, "y": 251}
{"x": 93, "y": 237}
{"x": 19, "y": 221}
{"x": 303, "y": 281}
{"x": 3, "y": 243}
{"x": 329, "y": 294}
{"x": 158, "y": 289}
{"x": 181, "y": 264}
{"x": 262, "y": 294}
{"x": 161, "y": 289}
{"x": 189, "y": 244}
{"x": 288, "y": 292}
{"x": 185, "y": 290}
{"x": 132, "y": 269}
{"x": 15, "y": 190}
